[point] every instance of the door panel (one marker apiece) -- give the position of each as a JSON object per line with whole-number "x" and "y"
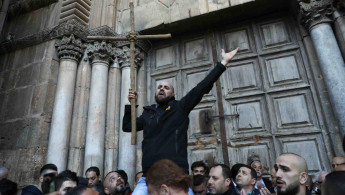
{"x": 266, "y": 85}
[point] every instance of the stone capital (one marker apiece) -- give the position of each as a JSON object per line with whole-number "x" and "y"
{"x": 70, "y": 47}
{"x": 315, "y": 12}
{"x": 123, "y": 56}
{"x": 100, "y": 52}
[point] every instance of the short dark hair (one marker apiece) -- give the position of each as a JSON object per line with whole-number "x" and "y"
{"x": 95, "y": 169}
{"x": 66, "y": 175}
{"x": 123, "y": 174}
{"x": 48, "y": 167}
{"x": 167, "y": 172}
{"x": 234, "y": 170}
{"x": 77, "y": 190}
{"x": 199, "y": 179}
{"x": 252, "y": 171}
{"x": 8, "y": 187}
{"x": 334, "y": 183}
{"x": 199, "y": 164}
{"x": 225, "y": 170}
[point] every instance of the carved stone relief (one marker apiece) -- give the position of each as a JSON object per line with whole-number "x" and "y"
{"x": 70, "y": 47}
{"x": 315, "y": 12}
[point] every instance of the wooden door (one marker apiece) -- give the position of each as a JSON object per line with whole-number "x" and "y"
{"x": 268, "y": 84}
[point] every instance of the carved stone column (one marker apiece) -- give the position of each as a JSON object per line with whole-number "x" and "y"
{"x": 316, "y": 16}
{"x": 127, "y": 152}
{"x": 339, "y": 24}
{"x": 70, "y": 50}
{"x": 100, "y": 54}
{"x": 113, "y": 118}
{"x": 81, "y": 100}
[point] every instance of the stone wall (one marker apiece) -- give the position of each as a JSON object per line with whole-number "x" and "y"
{"x": 151, "y": 13}
{"x": 27, "y": 87}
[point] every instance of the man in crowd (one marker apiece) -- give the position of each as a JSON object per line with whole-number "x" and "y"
{"x": 219, "y": 180}
{"x": 320, "y": 180}
{"x": 65, "y": 181}
{"x": 245, "y": 180}
{"x": 292, "y": 174}
{"x": 82, "y": 190}
{"x": 233, "y": 174}
{"x": 47, "y": 173}
{"x": 114, "y": 184}
{"x": 93, "y": 176}
{"x": 3, "y": 173}
{"x": 273, "y": 179}
{"x": 165, "y": 124}
{"x": 137, "y": 177}
{"x": 199, "y": 168}
{"x": 199, "y": 185}
{"x": 336, "y": 161}
{"x": 256, "y": 164}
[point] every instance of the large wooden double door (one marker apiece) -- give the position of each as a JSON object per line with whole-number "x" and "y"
{"x": 269, "y": 85}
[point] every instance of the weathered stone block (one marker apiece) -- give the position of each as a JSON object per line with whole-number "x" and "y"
{"x": 9, "y": 80}
{"x": 28, "y": 75}
{"x": 38, "y": 99}
{"x": 38, "y": 132}
{"x": 49, "y": 100}
{"x": 18, "y": 103}
{"x": 12, "y": 134}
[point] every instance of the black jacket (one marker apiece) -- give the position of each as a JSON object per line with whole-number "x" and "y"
{"x": 165, "y": 128}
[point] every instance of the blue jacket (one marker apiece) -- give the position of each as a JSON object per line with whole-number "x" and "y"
{"x": 165, "y": 128}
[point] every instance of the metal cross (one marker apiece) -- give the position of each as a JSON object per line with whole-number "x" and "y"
{"x": 131, "y": 37}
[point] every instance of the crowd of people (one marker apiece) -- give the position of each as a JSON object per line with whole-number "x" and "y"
{"x": 289, "y": 176}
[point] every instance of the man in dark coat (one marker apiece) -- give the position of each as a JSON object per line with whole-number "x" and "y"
{"x": 165, "y": 124}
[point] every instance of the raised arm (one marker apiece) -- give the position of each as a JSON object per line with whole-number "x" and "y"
{"x": 195, "y": 95}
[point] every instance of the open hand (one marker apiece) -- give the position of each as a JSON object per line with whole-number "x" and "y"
{"x": 228, "y": 56}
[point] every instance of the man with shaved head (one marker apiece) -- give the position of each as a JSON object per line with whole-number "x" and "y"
{"x": 291, "y": 174}
{"x": 165, "y": 123}
{"x": 336, "y": 161}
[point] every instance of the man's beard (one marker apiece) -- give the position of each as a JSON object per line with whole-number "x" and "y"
{"x": 119, "y": 190}
{"x": 162, "y": 101}
{"x": 292, "y": 189}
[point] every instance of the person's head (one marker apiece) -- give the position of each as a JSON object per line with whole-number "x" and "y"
{"x": 199, "y": 185}
{"x": 273, "y": 177}
{"x": 114, "y": 183}
{"x": 65, "y": 181}
{"x": 137, "y": 177}
{"x": 93, "y": 176}
{"x": 336, "y": 161}
{"x": 234, "y": 170}
{"x": 257, "y": 166}
{"x": 82, "y": 190}
{"x": 3, "y": 173}
{"x": 334, "y": 183}
{"x": 340, "y": 168}
{"x": 123, "y": 174}
{"x": 47, "y": 174}
{"x": 164, "y": 92}
{"x": 219, "y": 180}
{"x": 166, "y": 177}
{"x": 309, "y": 183}
{"x": 98, "y": 187}
{"x": 292, "y": 174}
{"x": 199, "y": 168}
{"x": 8, "y": 187}
{"x": 246, "y": 177}
{"x": 320, "y": 179}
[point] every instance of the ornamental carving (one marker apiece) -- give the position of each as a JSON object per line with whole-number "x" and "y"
{"x": 315, "y": 12}
{"x": 70, "y": 47}
{"x": 123, "y": 56}
{"x": 100, "y": 51}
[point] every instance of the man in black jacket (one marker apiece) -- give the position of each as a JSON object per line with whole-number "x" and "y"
{"x": 165, "y": 124}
